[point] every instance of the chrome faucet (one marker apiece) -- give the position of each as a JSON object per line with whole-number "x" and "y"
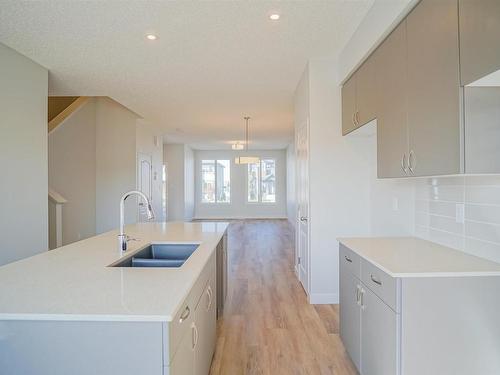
{"x": 122, "y": 237}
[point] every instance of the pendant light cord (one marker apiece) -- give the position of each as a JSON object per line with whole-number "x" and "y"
{"x": 246, "y": 132}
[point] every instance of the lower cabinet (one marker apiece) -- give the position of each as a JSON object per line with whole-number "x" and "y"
{"x": 379, "y": 336}
{"x": 369, "y": 328}
{"x": 194, "y": 353}
{"x": 205, "y": 330}
{"x": 350, "y": 315}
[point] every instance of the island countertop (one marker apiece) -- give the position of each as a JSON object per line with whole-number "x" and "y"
{"x": 415, "y": 257}
{"x": 75, "y": 282}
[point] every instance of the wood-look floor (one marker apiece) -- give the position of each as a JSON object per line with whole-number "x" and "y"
{"x": 268, "y": 326}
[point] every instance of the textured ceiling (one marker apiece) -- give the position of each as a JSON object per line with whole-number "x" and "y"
{"x": 214, "y": 61}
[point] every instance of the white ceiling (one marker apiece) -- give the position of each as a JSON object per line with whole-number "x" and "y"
{"x": 214, "y": 61}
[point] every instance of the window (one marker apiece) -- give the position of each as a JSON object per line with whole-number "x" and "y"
{"x": 216, "y": 181}
{"x": 262, "y": 181}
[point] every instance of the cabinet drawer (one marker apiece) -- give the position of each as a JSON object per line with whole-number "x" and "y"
{"x": 350, "y": 261}
{"x": 184, "y": 317}
{"x": 384, "y": 286}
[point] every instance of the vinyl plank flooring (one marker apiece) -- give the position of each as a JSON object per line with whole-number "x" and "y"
{"x": 268, "y": 326}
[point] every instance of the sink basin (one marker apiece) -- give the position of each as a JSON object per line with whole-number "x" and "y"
{"x": 160, "y": 255}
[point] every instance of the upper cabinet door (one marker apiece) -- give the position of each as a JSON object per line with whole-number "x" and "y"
{"x": 348, "y": 106}
{"x": 366, "y": 92}
{"x": 392, "y": 130}
{"x": 482, "y": 130}
{"x": 479, "y": 35}
{"x": 434, "y": 99}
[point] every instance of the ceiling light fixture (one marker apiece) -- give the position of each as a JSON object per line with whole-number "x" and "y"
{"x": 151, "y": 37}
{"x": 274, "y": 17}
{"x": 246, "y": 159}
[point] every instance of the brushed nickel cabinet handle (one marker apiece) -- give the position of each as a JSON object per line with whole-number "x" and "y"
{"x": 353, "y": 118}
{"x": 357, "y": 118}
{"x": 403, "y": 164}
{"x": 348, "y": 259}
{"x": 411, "y": 158}
{"x": 185, "y": 314}
{"x": 376, "y": 281}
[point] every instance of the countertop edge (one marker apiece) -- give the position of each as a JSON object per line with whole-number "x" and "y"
{"x": 406, "y": 275}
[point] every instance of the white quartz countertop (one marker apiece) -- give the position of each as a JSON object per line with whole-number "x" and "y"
{"x": 414, "y": 257}
{"x": 74, "y": 282}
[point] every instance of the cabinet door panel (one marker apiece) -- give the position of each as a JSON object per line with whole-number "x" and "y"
{"x": 350, "y": 323}
{"x": 205, "y": 318}
{"x": 482, "y": 130}
{"x": 366, "y": 92}
{"x": 348, "y": 105}
{"x": 392, "y": 130}
{"x": 183, "y": 361}
{"x": 379, "y": 341}
{"x": 479, "y": 32}
{"x": 434, "y": 120}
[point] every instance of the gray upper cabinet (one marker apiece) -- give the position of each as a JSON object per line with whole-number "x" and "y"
{"x": 349, "y": 106}
{"x": 479, "y": 35}
{"x": 359, "y": 98}
{"x": 366, "y": 92}
{"x": 482, "y": 129}
{"x": 392, "y": 130}
{"x": 433, "y": 87}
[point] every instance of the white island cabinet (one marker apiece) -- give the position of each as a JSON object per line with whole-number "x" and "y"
{"x": 412, "y": 307}
{"x": 71, "y": 311}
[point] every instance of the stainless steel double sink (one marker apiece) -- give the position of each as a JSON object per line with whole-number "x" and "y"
{"x": 160, "y": 255}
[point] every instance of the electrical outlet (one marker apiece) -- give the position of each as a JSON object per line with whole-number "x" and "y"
{"x": 460, "y": 213}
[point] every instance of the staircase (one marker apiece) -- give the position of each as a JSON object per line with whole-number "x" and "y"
{"x": 60, "y": 107}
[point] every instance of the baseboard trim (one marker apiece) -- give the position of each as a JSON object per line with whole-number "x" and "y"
{"x": 241, "y": 218}
{"x": 324, "y": 298}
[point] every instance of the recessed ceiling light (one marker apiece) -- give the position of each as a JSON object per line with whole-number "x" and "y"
{"x": 151, "y": 37}
{"x": 274, "y": 17}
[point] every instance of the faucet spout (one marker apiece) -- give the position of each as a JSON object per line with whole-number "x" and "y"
{"x": 122, "y": 237}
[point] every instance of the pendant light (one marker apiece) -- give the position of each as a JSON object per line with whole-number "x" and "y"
{"x": 246, "y": 159}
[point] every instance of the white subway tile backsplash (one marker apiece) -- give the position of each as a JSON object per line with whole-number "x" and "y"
{"x": 482, "y": 249}
{"x": 435, "y": 213}
{"x": 446, "y": 224}
{"x": 482, "y": 194}
{"x": 483, "y": 231}
{"x": 482, "y": 213}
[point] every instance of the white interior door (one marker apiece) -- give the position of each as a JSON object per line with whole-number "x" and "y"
{"x": 302, "y": 147}
{"x": 144, "y": 178}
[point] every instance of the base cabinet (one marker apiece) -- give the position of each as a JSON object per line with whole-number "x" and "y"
{"x": 369, "y": 328}
{"x": 194, "y": 354}
{"x": 379, "y": 339}
{"x": 350, "y": 315}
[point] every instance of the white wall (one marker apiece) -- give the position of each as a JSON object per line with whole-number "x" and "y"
{"x": 23, "y": 157}
{"x": 346, "y": 199}
{"x": 116, "y": 163}
{"x": 149, "y": 141}
{"x": 189, "y": 202}
{"x": 239, "y": 208}
{"x": 291, "y": 200}
{"x": 173, "y": 158}
{"x": 72, "y": 171}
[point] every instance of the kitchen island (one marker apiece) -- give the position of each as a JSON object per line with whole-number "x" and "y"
{"x": 70, "y": 310}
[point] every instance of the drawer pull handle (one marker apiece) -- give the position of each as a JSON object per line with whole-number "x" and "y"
{"x": 378, "y": 282}
{"x": 348, "y": 259}
{"x": 185, "y": 314}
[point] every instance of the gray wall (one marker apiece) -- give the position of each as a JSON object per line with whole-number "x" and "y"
{"x": 23, "y": 156}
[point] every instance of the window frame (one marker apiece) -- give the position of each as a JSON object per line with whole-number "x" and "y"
{"x": 259, "y": 200}
{"x": 216, "y": 201}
